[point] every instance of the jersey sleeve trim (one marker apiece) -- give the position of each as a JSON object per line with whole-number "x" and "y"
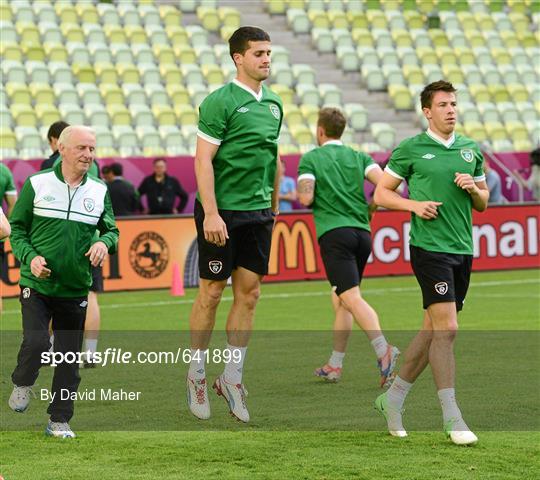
{"x": 11, "y": 192}
{"x": 208, "y": 138}
{"x": 306, "y": 176}
{"x": 394, "y": 174}
{"x": 481, "y": 178}
{"x": 369, "y": 168}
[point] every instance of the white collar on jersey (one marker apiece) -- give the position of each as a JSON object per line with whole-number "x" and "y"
{"x": 332, "y": 142}
{"x": 447, "y": 143}
{"x": 258, "y": 96}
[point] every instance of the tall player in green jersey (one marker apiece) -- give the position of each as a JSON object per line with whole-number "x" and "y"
{"x": 236, "y": 164}
{"x": 444, "y": 173}
{"x": 331, "y": 179}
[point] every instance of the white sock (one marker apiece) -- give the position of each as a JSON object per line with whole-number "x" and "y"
{"x": 380, "y": 345}
{"x": 235, "y": 366}
{"x": 336, "y": 359}
{"x": 197, "y": 365}
{"x": 90, "y": 344}
{"x": 447, "y": 397}
{"x": 398, "y": 392}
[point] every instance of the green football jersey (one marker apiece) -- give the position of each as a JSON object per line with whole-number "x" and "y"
{"x": 429, "y": 167}
{"x": 7, "y": 185}
{"x": 339, "y": 174}
{"x": 246, "y": 127}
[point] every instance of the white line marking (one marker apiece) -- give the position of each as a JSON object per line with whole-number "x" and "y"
{"x": 270, "y": 296}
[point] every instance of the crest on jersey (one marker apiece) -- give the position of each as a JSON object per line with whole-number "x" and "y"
{"x": 215, "y": 266}
{"x": 89, "y": 204}
{"x": 26, "y": 292}
{"x": 467, "y": 154}
{"x": 441, "y": 288}
{"x": 275, "y": 110}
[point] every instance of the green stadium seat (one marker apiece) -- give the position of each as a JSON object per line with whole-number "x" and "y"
{"x": 338, "y": 18}
{"x": 468, "y": 112}
{"x": 108, "y": 14}
{"x": 276, "y": 7}
{"x": 149, "y": 14}
{"x": 476, "y": 131}
{"x": 185, "y": 54}
{"x": 472, "y": 74}
{"x": 413, "y": 74}
{"x": 508, "y": 112}
{"x": 197, "y": 35}
{"x": 347, "y": 58}
{"x": 157, "y": 95}
{"x": 119, "y": 115}
{"x": 527, "y": 39}
{"x": 42, "y": 93}
{"x": 393, "y": 74}
{"x": 357, "y": 116}
{"x": 172, "y": 138}
{"x": 97, "y": 115}
{"x": 186, "y": 115}
{"x": 89, "y": 94}
{"x": 78, "y": 53}
{"x": 396, "y": 21}
{"x": 407, "y": 56}
{"x": 298, "y": 20}
{"x": 171, "y": 73}
{"x": 61, "y": 72}
{"x": 457, "y": 39}
{"x": 483, "y": 57}
{"x": 157, "y": 35}
{"x": 18, "y": 93}
{"x": 229, "y": 17}
{"x": 322, "y": 39}
{"x": 382, "y": 38}
{"x": 330, "y": 94}
{"x": 141, "y": 115}
{"x": 205, "y": 55}
{"x": 72, "y": 114}
{"x": 94, "y": 33}
{"x": 66, "y": 93}
{"x": 281, "y": 73}
{"x": 197, "y": 93}
{"x": 304, "y": 74}
{"x": 192, "y": 74}
{"x": 384, "y": 134}
{"x": 308, "y": 94}
{"x": 509, "y": 74}
{"x": 302, "y": 135}
{"x": 402, "y": 38}
{"x": 134, "y": 94}
{"x": 65, "y": 13}
{"x": 368, "y": 56}
{"x": 126, "y": 139}
{"x": 373, "y": 77}
{"x": 450, "y": 21}
{"x": 104, "y": 136}
{"x": 342, "y": 37}
{"x": 129, "y": 14}
{"x": 149, "y": 73}
{"x": 280, "y": 54}
{"x": 318, "y": 19}
{"x": 13, "y": 71}
{"x": 142, "y": 53}
{"x": 488, "y": 111}
{"x": 8, "y": 34}
{"x": 421, "y": 38}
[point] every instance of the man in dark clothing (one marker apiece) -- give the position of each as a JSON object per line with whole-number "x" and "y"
{"x": 52, "y": 136}
{"x": 124, "y": 197}
{"x": 161, "y": 190}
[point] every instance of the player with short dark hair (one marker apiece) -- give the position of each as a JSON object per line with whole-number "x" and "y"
{"x": 445, "y": 177}
{"x": 331, "y": 180}
{"x": 236, "y": 164}
{"x": 53, "y": 134}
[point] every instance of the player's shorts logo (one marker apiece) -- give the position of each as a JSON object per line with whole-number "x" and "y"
{"x": 215, "y": 266}
{"x": 26, "y": 293}
{"x": 441, "y": 288}
{"x": 275, "y": 110}
{"x": 149, "y": 254}
{"x": 89, "y": 204}
{"x": 467, "y": 154}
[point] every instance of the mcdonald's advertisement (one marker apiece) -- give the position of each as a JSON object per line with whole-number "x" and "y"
{"x": 505, "y": 237}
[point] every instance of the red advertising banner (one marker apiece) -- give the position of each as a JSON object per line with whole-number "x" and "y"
{"x": 505, "y": 237}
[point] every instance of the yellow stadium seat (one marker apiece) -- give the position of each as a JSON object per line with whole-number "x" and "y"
{"x": 42, "y": 93}
{"x": 7, "y": 138}
{"x": 85, "y": 73}
{"x": 34, "y": 52}
{"x": 115, "y": 33}
{"x": 293, "y": 115}
{"x": 510, "y": 39}
{"x": 453, "y": 73}
{"x": 338, "y": 19}
{"x": 6, "y": 15}
{"x": 362, "y": 37}
{"x": 178, "y": 94}
{"x": 318, "y": 18}
{"x": 498, "y": 93}
{"x": 402, "y": 38}
{"x": 119, "y": 114}
{"x": 495, "y": 131}
{"x": 186, "y": 115}
{"x": 136, "y": 34}
{"x": 112, "y": 94}
{"x": 164, "y": 115}
{"x": 517, "y": 132}
{"x": 413, "y": 74}
{"x": 465, "y": 56}
{"x": 128, "y": 73}
{"x": 164, "y": 54}
{"x": 501, "y": 56}
{"x": 24, "y": 115}
{"x": 427, "y": 56}
{"x": 446, "y": 56}
{"x": 11, "y": 51}
{"x": 401, "y": 97}
{"x": 229, "y": 17}
{"x": 72, "y": 32}
{"x": 66, "y": 13}
{"x": 476, "y": 131}
{"x": 518, "y": 93}
{"x": 414, "y": 19}
{"x": 28, "y": 33}
{"x": 106, "y": 73}
{"x": 55, "y": 52}
{"x": 213, "y": 74}
{"x": 209, "y": 18}
{"x": 18, "y": 93}
{"x": 47, "y": 113}
{"x": 357, "y": 20}
{"x": 170, "y": 15}
{"x": 177, "y": 35}
{"x": 171, "y": 73}
{"x": 286, "y": 94}
{"x": 302, "y": 134}
{"x": 87, "y": 13}
{"x": 185, "y": 54}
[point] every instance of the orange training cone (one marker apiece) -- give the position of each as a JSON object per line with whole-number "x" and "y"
{"x": 177, "y": 287}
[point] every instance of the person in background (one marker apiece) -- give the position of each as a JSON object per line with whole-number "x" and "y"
{"x": 124, "y": 196}
{"x": 106, "y": 173}
{"x": 161, "y": 191}
{"x": 533, "y": 182}
{"x": 287, "y": 190}
{"x": 52, "y": 136}
{"x": 493, "y": 180}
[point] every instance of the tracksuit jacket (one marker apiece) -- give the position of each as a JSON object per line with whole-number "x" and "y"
{"x": 58, "y": 222}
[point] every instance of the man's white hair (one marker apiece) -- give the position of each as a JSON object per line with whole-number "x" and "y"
{"x": 65, "y": 136}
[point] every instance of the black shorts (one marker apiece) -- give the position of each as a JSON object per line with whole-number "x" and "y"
{"x": 248, "y": 246}
{"x": 97, "y": 280}
{"x": 443, "y": 277}
{"x": 345, "y": 252}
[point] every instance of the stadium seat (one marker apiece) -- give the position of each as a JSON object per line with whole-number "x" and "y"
{"x": 281, "y": 74}
{"x": 476, "y": 131}
{"x": 472, "y": 74}
{"x": 205, "y": 55}
{"x": 61, "y": 72}
{"x": 318, "y": 19}
{"x": 72, "y": 114}
{"x": 115, "y": 33}
{"x": 23, "y": 115}
{"x": 401, "y": 97}
{"x": 178, "y": 94}
{"x": 192, "y": 74}
{"x": 293, "y": 115}
{"x": 177, "y": 35}
{"x": 149, "y": 73}
{"x": 141, "y": 115}
{"x": 402, "y": 38}
{"x": 126, "y": 140}
{"x": 310, "y": 114}
{"x": 308, "y": 94}
{"x": 55, "y": 52}
{"x": 90, "y": 94}
{"x": 197, "y": 93}
{"x": 11, "y": 51}
{"x": 97, "y": 115}
{"x": 129, "y": 14}
{"x": 13, "y": 71}
{"x": 488, "y": 111}
{"x": 171, "y": 73}
{"x": 119, "y": 114}
{"x": 185, "y": 54}
{"x": 495, "y": 131}
{"x": 18, "y": 93}
{"x": 302, "y": 135}
{"x": 421, "y": 38}
{"x": 518, "y": 93}
{"x": 373, "y": 77}
{"x": 157, "y": 35}
{"x": 66, "y": 93}
{"x": 128, "y": 73}
{"x": 298, "y": 20}
{"x": 106, "y": 73}
{"x": 157, "y": 95}
{"x": 172, "y": 139}
{"x": 149, "y": 15}
{"x": 164, "y": 55}
{"x": 7, "y": 139}
{"x": 357, "y": 116}
{"x": 78, "y": 53}
{"x": 229, "y": 17}
{"x": 42, "y": 93}
{"x": 50, "y": 33}
{"x": 134, "y": 94}
{"x": 213, "y": 75}
{"x": 94, "y": 33}
{"x": 362, "y": 37}
{"x": 337, "y": 17}
{"x": 276, "y": 7}
{"x": 388, "y": 56}
{"x": 108, "y": 14}
{"x": 170, "y": 15}
{"x": 516, "y": 131}
{"x": 322, "y": 40}
{"x": 413, "y": 74}
{"x": 136, "y": 34}
{"x": 523, "y": 145}
{"x": 502, "y": 145}
{"x": 27, "y": 32}
{"x": 186, "y": 115}
{"x": 47, "y": 114}
{"x": 347, "y": 58}
{"x": 468, "y": 112}
{"x": 384, "y": 134}
{"x": 395, "y": 20}
{"x": 330, "y": 94}
{"x": 197, "y": 35}
{"x": 480, "y": 93}
{"x": 286, "y": 94}
{"x": 111, "y": 94}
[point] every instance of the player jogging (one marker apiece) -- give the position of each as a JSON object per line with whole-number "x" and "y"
{"x": 444, "y": 173}
{"x": 331, "y": 179}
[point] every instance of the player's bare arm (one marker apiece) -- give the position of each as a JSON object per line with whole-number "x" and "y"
{"x": 306, "y": 189}
{"x": 10, "y": 200}
{"x": 275, "y": 193}
{"x": 478, "y": 191}
{"x": 215, "y": 230}
{"x": 387, "y": 197}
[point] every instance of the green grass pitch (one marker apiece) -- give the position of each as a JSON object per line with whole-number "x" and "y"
{"x": 301, "y": 428}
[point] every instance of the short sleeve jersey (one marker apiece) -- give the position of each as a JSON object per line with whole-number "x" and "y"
{"x": 339, "y": 173}
{"x": 429, "y": 168}
{"x": 246, "y": 127}
{"x": 7, "y": 185}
